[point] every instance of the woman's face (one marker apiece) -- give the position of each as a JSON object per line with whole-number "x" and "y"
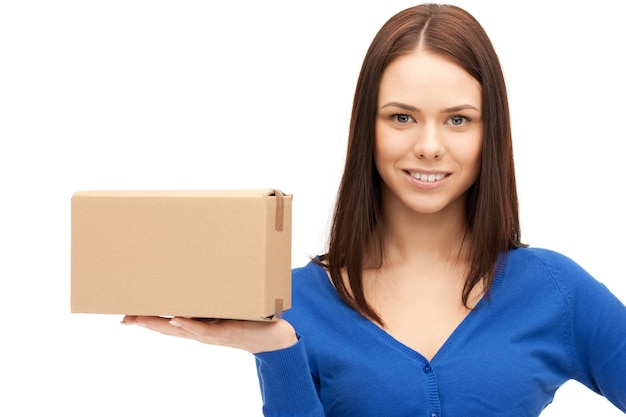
{"x": 429, "y": 132}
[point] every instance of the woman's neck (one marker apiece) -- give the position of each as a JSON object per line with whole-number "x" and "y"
{"x": 412, "y": 237}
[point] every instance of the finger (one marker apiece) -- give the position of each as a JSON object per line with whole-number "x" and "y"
{"x": 198, "y": 327}
{"x": 212, "y": 331}
{"x": 142, "y": 320}
{"x": 158, "y": 324}
{"x": 129, "y": 320}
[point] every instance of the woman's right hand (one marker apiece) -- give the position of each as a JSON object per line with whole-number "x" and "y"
{"x": 251, "y": 336}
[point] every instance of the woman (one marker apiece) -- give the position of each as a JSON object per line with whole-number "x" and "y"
{"x": 427, "y": 302}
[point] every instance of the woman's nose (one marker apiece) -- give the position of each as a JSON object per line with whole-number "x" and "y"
{"x": 428, "y": 143}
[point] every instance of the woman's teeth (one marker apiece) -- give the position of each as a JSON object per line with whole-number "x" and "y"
{"x": 427, "y": 177}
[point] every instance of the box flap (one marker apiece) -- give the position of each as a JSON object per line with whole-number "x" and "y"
{"x": 252, "y": 192}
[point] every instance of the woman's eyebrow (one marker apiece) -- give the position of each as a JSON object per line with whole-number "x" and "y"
{"x": 408, "y": 107}
{"x": 400, "y": 105}
{"x": 460, "y": 107}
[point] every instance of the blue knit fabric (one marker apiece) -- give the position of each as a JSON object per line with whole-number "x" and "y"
{"x": 545, "y": 321}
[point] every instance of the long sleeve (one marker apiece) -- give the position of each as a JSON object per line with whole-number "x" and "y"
{"x": 599, "y": 339}
{"x": 287, "y": 387}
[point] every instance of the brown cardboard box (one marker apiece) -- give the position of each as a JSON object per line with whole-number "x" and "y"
{"x": 197, "y": 253}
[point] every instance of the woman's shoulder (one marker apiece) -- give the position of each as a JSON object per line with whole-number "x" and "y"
{"x": 314, "y": 299}
{"x": 539, "y": 254}
{"x": 550, "y": 261}
{"x": 538, "y": 266}
{"x": 308, "y": 273}
{"x": 311, "y": 282}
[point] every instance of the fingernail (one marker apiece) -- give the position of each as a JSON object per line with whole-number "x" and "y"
{"x": 175, "y": 323}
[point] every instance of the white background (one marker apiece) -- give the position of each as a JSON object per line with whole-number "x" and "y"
{"x": 201, "y": 94}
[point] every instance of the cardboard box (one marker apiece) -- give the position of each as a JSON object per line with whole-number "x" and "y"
{"x": 197, "y": 253}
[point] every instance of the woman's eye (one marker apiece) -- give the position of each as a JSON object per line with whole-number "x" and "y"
{"x": 401, "y": 118}
{"x": 458, "y": 120}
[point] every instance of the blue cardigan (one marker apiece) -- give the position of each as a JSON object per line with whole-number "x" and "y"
{"x": 545, "y": 321}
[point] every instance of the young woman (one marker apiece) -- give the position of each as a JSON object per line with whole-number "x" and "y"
{"x": 427, "y": 303}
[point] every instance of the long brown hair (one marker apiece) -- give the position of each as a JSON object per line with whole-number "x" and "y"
{"x": 492, "y": 206}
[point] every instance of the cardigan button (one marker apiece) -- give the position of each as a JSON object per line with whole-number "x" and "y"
{"x": 427, "y": 369}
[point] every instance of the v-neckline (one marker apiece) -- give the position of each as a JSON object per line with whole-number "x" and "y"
{"x": 397, "y": 344}
{"x": 448, "y": 342}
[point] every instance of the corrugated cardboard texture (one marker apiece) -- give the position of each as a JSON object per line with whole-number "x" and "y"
{"x": 200, "y": 253}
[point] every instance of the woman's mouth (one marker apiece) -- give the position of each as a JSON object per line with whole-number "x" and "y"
{"x": 434, "y": 177}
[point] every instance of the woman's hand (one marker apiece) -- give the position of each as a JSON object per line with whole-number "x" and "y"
{"x": 251, "y": 336}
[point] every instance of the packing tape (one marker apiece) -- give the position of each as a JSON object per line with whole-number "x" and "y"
{"x": 280, "y": 210}
{"x": 278, "y": 308}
